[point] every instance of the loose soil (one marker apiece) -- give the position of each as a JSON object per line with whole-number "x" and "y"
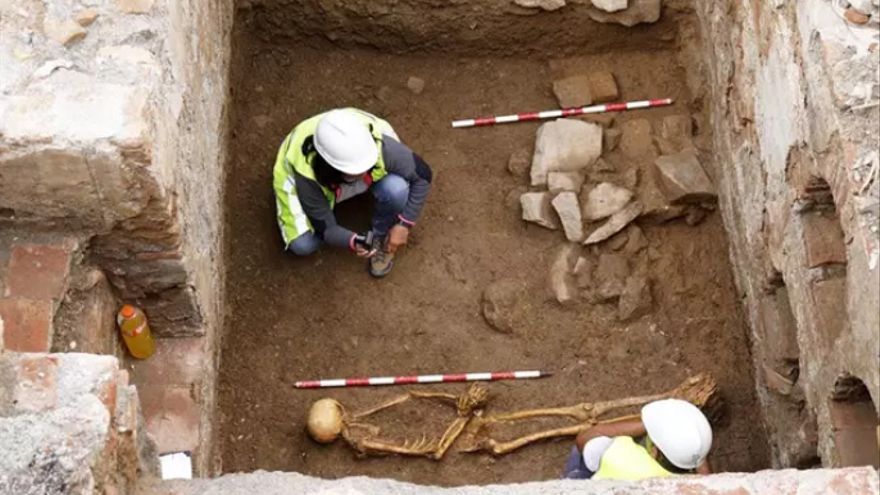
{"x": 322, "y": 316}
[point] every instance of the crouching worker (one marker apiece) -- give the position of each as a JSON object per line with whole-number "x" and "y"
{"x": 670, "y": 437}
{"x": 335, "y": 156}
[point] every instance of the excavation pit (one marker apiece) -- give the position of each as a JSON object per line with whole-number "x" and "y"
{"x": 322, "y": 316}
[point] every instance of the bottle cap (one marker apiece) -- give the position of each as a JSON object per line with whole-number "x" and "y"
{"x": 127, "y": 311}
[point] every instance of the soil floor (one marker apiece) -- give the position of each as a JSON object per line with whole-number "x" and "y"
{"x": 323, "y": 316}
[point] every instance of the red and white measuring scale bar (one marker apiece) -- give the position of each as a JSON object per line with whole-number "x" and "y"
{"x": 406, "y": 380}
{"x": 563, "y": 112}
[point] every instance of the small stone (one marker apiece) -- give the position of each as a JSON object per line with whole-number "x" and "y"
{"x": 51, "y": 66}
{"x": 695, "y": 215}
{"x": 603, "y": 87}
{"x": 636, "y": 139}
{"x": 610, "y": 276}
{"x": 864, "y": 6}
{"x": 682, "y": 178}
{"x": 675, "y": 134}
{"x": 564, "y": 145}
{"x": 565, "y": 181}
{"x": 657, "y": 208}
{"x": 569, "y": 211}
{"x": 611, "y": 138}
{"x": 519, "y": 162}
{"x": 135, "y": 6}
{"x": 536, "y": 208}
{"x": 65, "y": 32}
{"x": 548, "y": 5}
{"x": 637, "y": 11}
{"x": 415, "y": 84}
{"x": 605, "y": 200}
{"x": 499, "y": 304}
{"x": 610, "y": 5}
{"x": 856, "y": 17}
{"x": 573, "y": 91}
{"x": 561, "y": 280}
{"x": 615, "y": 224}
{"x": 86, "y": 17}
{"x": 636, "y": 240}
{"x": 635, "y": 300}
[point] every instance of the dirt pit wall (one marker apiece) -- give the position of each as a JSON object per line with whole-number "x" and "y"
{"x": 488, "y": 27}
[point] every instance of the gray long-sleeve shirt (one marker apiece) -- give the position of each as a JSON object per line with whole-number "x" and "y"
{"x": 399, "y": 160}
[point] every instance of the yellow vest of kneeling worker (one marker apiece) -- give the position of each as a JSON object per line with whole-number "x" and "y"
{"x": 626, "y": 460}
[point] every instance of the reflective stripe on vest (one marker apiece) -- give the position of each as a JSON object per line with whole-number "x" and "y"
{"x": 292, "y": 220}
{"x": 627, "y": 460}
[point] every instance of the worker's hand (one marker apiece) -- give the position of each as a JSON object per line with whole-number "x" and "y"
{"x": 397, "y": 237}
{"x": 364, "y": 252}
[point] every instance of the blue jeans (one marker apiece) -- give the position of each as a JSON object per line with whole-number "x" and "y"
{"x": 390, "y": 193}
{"x": 575, "y": 468}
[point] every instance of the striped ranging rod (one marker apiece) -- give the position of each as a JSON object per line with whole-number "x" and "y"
{"x": 563, "y": 112}
{"x": 407, "y": 380}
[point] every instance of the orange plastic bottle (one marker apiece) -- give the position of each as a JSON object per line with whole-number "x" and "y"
{"x": 135, "y": 332}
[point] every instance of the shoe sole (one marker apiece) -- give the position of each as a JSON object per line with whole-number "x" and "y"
{"x": 380, "y": 274}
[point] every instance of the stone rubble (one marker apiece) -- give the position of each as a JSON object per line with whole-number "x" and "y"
{"x": 536, "y": 208}
{"x": 611, "y": 138}
{"x": 612, "y": 271}
{"x": 583, "y": 272}
{"x": 569, "y": 211}
{"x": 500, "y": 302}
{"x": 636, "y": 240}
{"x": 603, "y": 87}
{"x": 637, "y": 12}
{"x": 573, "y": 91}
{"x": 564, "y": 145}
{"x": 501, "y": 299}
{"x": 610, "y": 5}
{"x": 605, "y": 200}
{"x": 675, "y": 134}
{"x": 565, "y": 181}
{"x": 616, "y": 223}
{"x": 561, "y": 280}
{"x": 682, "y": 178}
{"x": 635, "y": 299}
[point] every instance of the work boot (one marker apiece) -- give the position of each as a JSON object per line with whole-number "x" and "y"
{"x": 382, "y": 262}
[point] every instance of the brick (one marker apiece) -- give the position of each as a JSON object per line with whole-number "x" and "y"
{"x": 38, "y": 271}
{"x": 829, "y": 308}
{"x": 854, "y": 428}
{"x": 35, "y": 389}
{"x": 823, "y": 239}
{"x": 27, "y": 324}
{"x": 177, "y": 361}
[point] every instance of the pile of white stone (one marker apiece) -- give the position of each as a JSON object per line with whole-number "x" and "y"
{"x": 593, "y": 180}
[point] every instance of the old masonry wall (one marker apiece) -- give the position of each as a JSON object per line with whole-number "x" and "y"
{"x": 794, "y": 94}
{"x": 112, "y": 134}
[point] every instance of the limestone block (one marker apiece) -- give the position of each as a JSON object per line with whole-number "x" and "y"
{"x": 564, "y": 145}
{"x": 657, "y": 208}
{"x": 565, "y": 181}
{"x": 615, "y": 224}
{"x": 569, "y": 211}
{"x": 638, "y": 11}
{"x": 682, "y": 178}
{"x": 610, "y": 5}
{"x": 603, "y": 87}
{"x": 573, "y": 91}
{"x": 541, "y": 4}
{"x": 561, "y": 280}
{"x": 536, "y": 208}
{"x": 605, "y": 200}
{"x": 636, "y": 140}
{"x": 610, "y": 276}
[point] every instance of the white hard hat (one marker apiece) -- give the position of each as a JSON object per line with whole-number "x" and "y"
{"x": 346, "y": 143}
{"x": 680, "y": 430}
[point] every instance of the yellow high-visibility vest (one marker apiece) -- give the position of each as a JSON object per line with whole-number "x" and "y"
{"x": 626, "y": 460}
